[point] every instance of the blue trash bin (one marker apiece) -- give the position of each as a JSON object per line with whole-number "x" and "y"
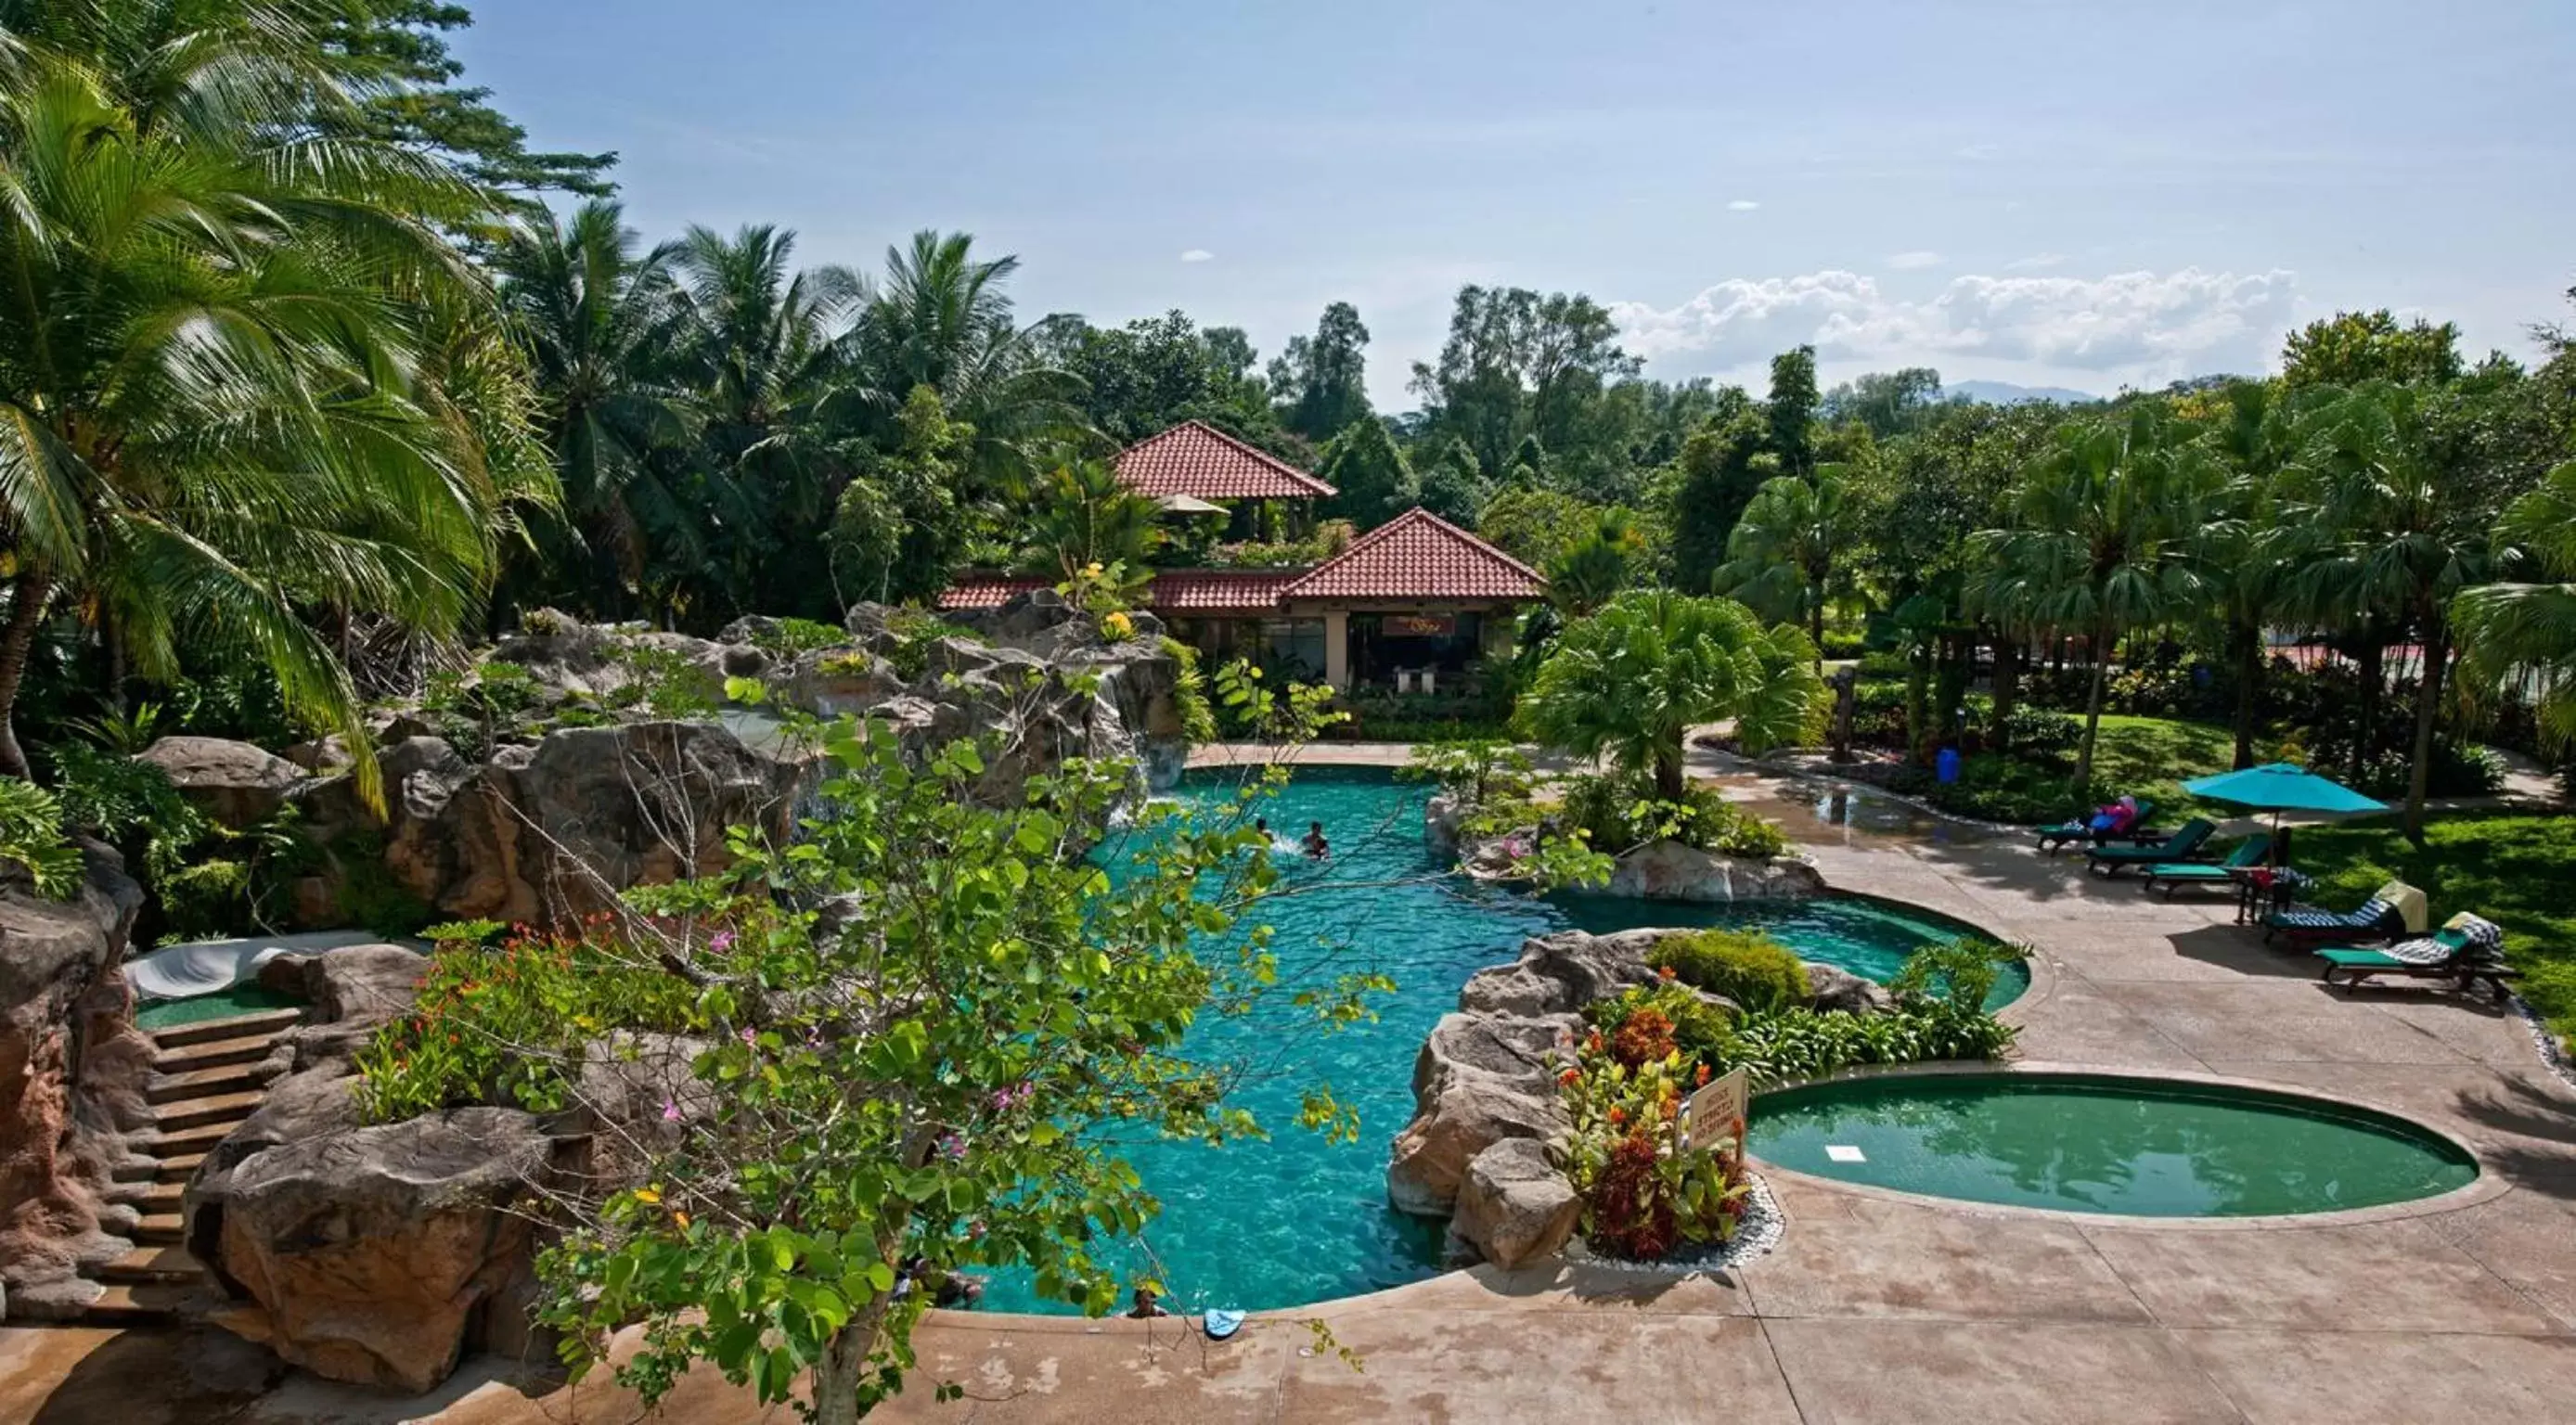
{"x": 1946, "y": 766}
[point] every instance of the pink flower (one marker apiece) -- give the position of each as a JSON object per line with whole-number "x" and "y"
{"x": 721, "y": 943}
{"x": 748, "y": 1036}
{"x": 952, "y": 1147}
{"x": 670, "y": 1111}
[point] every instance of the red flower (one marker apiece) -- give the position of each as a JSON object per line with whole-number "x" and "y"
{"x": 1666, "y": 971}
{"x": 1618, "y": 1115}
{"x": 1703, "y": 1074}
{"x": 1570, "y": 1077}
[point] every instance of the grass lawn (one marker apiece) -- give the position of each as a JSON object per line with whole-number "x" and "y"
{"x": 2517, "y": 869}
{"x": 2151, "y": 757}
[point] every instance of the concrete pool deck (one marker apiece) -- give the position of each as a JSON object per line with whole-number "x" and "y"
{"x": 1873, "y": 1307}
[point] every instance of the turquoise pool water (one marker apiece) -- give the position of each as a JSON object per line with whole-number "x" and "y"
{"x": 1296, "y": 1220}
{"x": 2103, "y": 1143}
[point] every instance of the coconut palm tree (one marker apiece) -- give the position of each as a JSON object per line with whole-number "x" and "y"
{"x": 2101, "y": 537}
{"x": 1781, "y": 556}
{"x": 2387, "y": 536}
{"x": 233, "y": 376}
{"x": 1635, "y": 677}
{"x": 941, "y": 318}
{"x": 2245, "y": 553}
{"x": 2521, "y": 633}
{"x": 597, "y": 319}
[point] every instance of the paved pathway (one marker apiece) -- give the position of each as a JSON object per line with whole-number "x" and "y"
{"x": 1873, "y": 1308}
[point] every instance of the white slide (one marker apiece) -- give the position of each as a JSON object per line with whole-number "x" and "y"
{"x": 202, "y": 967}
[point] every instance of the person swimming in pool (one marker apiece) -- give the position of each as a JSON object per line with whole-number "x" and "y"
{"x": 1315, "y": 846}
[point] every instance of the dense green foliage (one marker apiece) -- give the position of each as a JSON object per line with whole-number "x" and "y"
{"x": 1758, "y": 973}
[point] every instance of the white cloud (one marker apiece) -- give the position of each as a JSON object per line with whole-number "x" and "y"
{"x": 2145, "y": 324}
{"x": 1742, "y": 205}
{"x": 1908, "y": 261}
{"x": 1198, "y": 254}
{"x": 1980, "y": 150}
{"x": 2036, "y": 261}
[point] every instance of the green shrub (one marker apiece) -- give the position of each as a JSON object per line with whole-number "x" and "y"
{"x": 1620, "y": 813}
{"x": 2003, "y": 787}
{"x": 1746, "y": 966}
{"x": 789, "y": 637}
{"x": 31, "y": 837}
{"x": 915, "y": 632}
{"x": 1189, "y": 693}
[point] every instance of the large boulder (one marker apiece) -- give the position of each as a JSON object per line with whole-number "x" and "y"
{"x": 1515, "y": 1206}
{"x": 1833, "y": 987}
{"x": 72, "y": 1074}
{"x": 1670, "y": 870}
{"x": 362, "y": 1255}
{"x": 236, "y": 783}
{"x": 1478, "y": 1081}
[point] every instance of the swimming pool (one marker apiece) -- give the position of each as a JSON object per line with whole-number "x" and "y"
{"x": 2103, "y": 1143}
{"x": 1296, "y": 1220}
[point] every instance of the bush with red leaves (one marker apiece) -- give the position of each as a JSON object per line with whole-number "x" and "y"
{"x": 1644, "y": 1037}
{"x": 1632, "y": 1216}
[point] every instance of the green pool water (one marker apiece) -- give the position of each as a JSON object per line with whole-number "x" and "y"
{"x": 2082, "y": 1143}
{"x": 222, "y": 1004}
{"x": 1296, "y": 1220}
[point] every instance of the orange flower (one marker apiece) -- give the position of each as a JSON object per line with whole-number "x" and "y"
{"x": 1618, "y": 1115}
{"x": 1671, "y": 1107}
{"x": 1570, "y": 1077}
{"x": 1703, "y": 1074}
{"x": 1664, "y": 970}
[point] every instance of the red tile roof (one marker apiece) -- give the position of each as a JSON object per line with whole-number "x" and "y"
{"x": 1188, "y": 591}
{"x": 1418, "y": 555}
{"x": 1185, "y": 591}
{"x": 1204, "y": 463}
{"x": 988, "y": 591}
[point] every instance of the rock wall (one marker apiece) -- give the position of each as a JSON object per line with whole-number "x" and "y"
{"x": 1671, "y": 871}
{"x": 1487, "y": 1131}
{"x": 72, "y": 1070}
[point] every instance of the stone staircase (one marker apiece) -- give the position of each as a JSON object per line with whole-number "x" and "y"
{"x": 207, "y": 1081}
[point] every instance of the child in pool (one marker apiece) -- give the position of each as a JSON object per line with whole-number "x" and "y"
{"x": 1315, "y": 846}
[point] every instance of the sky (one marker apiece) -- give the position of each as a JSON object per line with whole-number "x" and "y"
{"x": 2072, "y": 194}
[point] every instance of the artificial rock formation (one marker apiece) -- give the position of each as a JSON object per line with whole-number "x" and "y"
{"x": 72, "y": 1071}
{"x": 1671, "y": 871}
{"x": 374, "y": 1253}
{"x": 236, "y": 783}
{"x": 1487, "y": 1131}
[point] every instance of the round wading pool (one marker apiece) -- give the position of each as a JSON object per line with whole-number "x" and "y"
{"x": 2104, "y": 1143}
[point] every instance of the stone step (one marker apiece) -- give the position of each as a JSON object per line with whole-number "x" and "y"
{"x": 215, "y": 1053}
{"x": 158, "y": 1229}
{"x": 266, "y": 1021}
{"x": 194, "y": 1142}
{"x": 152, "y": 1198}
{"x": 167, "y": 1168}
{"x": 133, "y": 1304}
{"x": 150, "y": 1266}
{"x": 204, "y": 1083}
{"x": 228, "y": 1109}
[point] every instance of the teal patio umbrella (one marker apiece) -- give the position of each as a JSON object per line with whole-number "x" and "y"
{"x": 2283, "y": 787}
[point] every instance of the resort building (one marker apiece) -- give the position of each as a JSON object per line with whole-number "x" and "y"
{"x": 1411, "y": 605}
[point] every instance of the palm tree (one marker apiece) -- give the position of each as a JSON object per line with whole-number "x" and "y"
{"x": 2522, "y": 633}
{"x": 1586, "y": 576}
{"x": 1633, "y": 679}
{"x": 2100, "y": 539}
{"x": 597, "y": 320}
{"x": 2388, "y": 536}
{"x": 2245, "y": 552}
{"x": 1780, "y": 558}
{"x": 941, "y": 318}
{"x": 1083, "y": 516}
{"x": 233, "y": 378}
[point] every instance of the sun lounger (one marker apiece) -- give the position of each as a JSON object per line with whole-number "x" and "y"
{"x": 2183, "y": 845}
{"x": 2078, "y": 832}
{"x": 2468, "y": 952}
{"x": 2175, "y": 874}
{"x": 2393, "y": 910}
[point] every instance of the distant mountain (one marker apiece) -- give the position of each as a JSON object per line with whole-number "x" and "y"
{"x": 2005, "y": 393}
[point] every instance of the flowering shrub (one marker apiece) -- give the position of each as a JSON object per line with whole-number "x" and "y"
{"x": 1643, "y": 1194}
{"x": 1644, "y": 1037}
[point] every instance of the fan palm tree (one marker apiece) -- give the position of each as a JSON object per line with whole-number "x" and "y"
{"x": 596, "y": 320}
{"x": 1083, "y": 516}
{"x": 1780, "y": 558}
{"x": 2101, "y": 537}
{"x": 2522, "y": 633}
{"x": 1633, "y": 679}
{"x": 2246, "y": 554}
{"x": 2387, "y": 536}
{"x": 234, "y": 390}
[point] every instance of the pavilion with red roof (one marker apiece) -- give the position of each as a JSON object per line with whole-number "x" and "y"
{"x": 1415, "y": 602}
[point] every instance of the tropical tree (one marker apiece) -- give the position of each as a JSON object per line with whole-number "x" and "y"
{"x": 1322, "y": 380}
{"x": 2387, "y": 536}
{"x": 1782, "y": 555}
{"x": 2244, "y": 552}
{"x": 2520, "y": 634}
{"x": 1083, "y": 516}
{"x": 1633, "y": 679}
{"x": 243, "y": 382}
{"x": 2101, "y": 537}
{"x": 1596, "y": 566}
{"x": 1371, "y": 481}
{"x": 597, "y": 318}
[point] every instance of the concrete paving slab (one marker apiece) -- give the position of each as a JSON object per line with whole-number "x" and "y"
{"x": 1543, "y": 1369}
{"x": 2522, "y": 1237}
{"x": 2279, "y": 1021}
{"x": 2029, "y": 1373}
{"x": 2384, "y": 1276}
{"x": 2308, "y": 1378}
{"x": 1895, "y": 1260}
